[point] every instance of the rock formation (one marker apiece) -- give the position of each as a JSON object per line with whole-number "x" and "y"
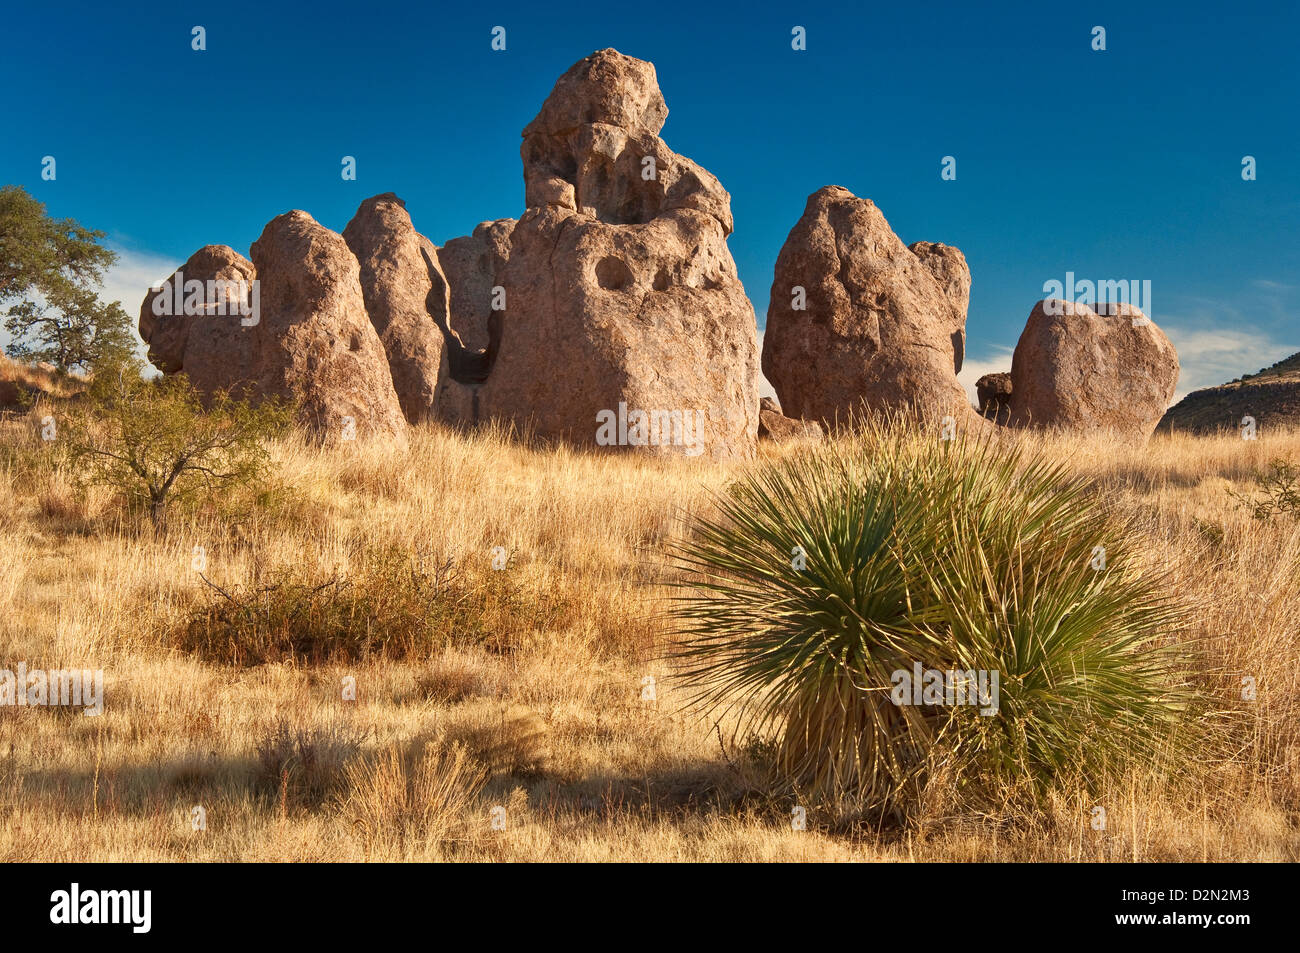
{"x": 315, "y": 342}
{"x": 396, "y": 283}
{"x": 623, "y": 321}
{"x": 948, "y": 266}
{"x": 211, "y": 343}
{"x": 609, "y": 314}
{"x": 994, "y": 393}
{"x": 1083, "y": 370}
{"x": 778, "y": 428}
{"x": 472, "y": 266}
{"x": 292, "y": 323}
{"x": 858, "y": 321}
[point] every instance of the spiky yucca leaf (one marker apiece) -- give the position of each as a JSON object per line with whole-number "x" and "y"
{"x": 821, "y": 576}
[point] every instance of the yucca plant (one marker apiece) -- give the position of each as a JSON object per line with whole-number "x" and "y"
{"x": 817, "y": 579}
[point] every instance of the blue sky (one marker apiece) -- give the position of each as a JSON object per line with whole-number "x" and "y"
{"x": 1117, "y": 164}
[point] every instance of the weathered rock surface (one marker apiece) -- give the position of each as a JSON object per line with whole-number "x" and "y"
{"x": 994, "y": 393}
{"x": 211, "y": 345}
{"x": 315, "y": 342}
{"x": 396, "y": 283}
{"x": 1083, "y": 370}
{"x": 605, "y": 87}
{"x": 297, "y": 328}
{"x": 595, "y": 148}
{"x": 948, "y": 266}
{"x": 778, "y": 428}
{"x": 882, "y": 326}
{"x": 622, "y": 300}
{"x": 474, "y": 267}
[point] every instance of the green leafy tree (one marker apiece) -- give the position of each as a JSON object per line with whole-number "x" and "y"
{"x": 157, "y": 443}
{"x": 51, "y": 271}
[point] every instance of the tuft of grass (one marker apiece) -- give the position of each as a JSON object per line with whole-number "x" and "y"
{"x": 508, "y": 739}
{"x": 450, "y": 680}
{"x": 415, "y": 796}
{"x": 304, "y": 768}
{"x": 821, "y": 578}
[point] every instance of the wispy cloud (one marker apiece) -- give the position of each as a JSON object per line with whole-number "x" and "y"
{"x": 135, "y": 272}
{"x": 1219, "y": 339}
{"x": 1210, "y": 356}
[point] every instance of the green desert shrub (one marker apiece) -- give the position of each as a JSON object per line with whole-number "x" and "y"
{"x": 816, "y": 580}
{"x": 157, "y": 443}
{"x": 1279, "y": 491}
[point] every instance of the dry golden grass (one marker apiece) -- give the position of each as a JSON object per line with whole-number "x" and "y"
{"x": 526, "y": 696}
{"x": 16, "y": 377}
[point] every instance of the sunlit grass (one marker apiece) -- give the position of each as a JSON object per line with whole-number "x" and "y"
{"x": 552, "y": 709}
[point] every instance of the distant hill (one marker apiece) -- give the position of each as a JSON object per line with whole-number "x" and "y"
{"x": 1272, "y": 397}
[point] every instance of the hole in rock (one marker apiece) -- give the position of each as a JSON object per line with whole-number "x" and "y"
{"x": 612, "y": 274}
{"x": 639, "y": 207}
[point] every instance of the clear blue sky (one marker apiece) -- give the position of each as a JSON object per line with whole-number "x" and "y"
{"x": 1117, "y": 164}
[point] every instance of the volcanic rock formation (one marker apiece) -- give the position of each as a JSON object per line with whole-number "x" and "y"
{"x": 1083, "y": 370}
{"x": 618, "y": 298}
{"x": 396, "y": 283}
{"x": 778, "y": 428}
{"x": 860, "y": 322}
{"x": 208, "y": 338}
{"x": 994, "y": 393}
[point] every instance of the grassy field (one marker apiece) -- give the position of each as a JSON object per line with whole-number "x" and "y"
{"x": 515, "y": 695}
